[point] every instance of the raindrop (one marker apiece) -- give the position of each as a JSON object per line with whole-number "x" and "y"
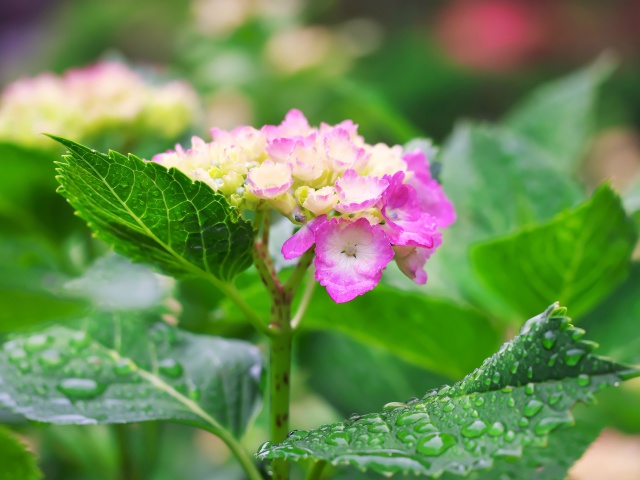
{"x": 510, "y": 436}
{"x": 448, "y": 407}
{"x": 379, "y": 428}
{"x": 509, "y": 454}
{"x": 338, "y": 439}
{"x": 529, "y": 388}
{"x": 36, "y": 343}
{"x": 549, "y": 339}
{"x": 573, "y": 356}
{"x": 496, "y": 377}
{"x": 411, "y": 417}
{"x": 425, "y": 428}
{"x": 51, "y": 358}
{"x": 555, "y": 398}
{"x": 577, "y": 334}
{"x": 583, "y": 380}
{"x": 80, "y": 339}
{"x": 496, "y": 429}
{"x": 80, "y": 388}
{"x": 123, "y": 366}
{"x": 474, "y": 429}
{"x": 170, "y": 367}
{"x": 547, "y": 425}
{"x": 436, "y": 444}
{"x": 532, "y": 407}
{"x": 514, "y": 367}
{"x": 480, "y": 401}
{"x": 511, "y": 402}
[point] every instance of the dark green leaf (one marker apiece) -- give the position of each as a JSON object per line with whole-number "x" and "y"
{"x": 344, "y": 376}
{"x": 434, "y": 334}
{"x": 17, "y": 462}
{"x": 120, "y": 369}
{"x": 559, "y": 116}
{"x": 578, "y": 257}
{"x": 512, "y": 403}
{"x": 155, "y": 215}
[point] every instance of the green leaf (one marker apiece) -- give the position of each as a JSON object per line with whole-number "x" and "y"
{"x": 344, "y": 376}
{"x": 431, "y": 333}
{"x": 579, "y": 258}
{"x": 498, "y": 183}
{"x": 559, "y": 116}
{"x": 17, "y": 462}
{"x": 155, "y": 215}
{"x": 512, "y": 403}
{"x": 112, "y": 369}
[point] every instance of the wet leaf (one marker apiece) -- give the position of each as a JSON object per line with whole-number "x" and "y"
{"x": 125, "y": 368}
{"x": 155, "y": 215}
{"x": 511, "y": 404}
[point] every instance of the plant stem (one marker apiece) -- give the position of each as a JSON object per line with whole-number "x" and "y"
{"x": 245, "y": 460}
{"x": 315, "y": 470}
{"x": 279, "y": 375}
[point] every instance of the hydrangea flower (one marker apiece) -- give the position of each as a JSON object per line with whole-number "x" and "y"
{"x": 359, "y": 206}
{"x": 83, "y": 102}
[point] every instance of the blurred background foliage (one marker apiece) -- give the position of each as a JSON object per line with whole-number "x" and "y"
{"x": 400, "y": 70}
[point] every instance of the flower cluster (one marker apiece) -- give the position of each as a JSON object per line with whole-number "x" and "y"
{"x": 361, "y": 205}
{"x": 82, "y": 102}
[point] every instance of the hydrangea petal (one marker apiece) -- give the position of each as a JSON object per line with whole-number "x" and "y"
{"x": 270, "y": 179}
{"x": 303, "y": 239}
{"x": 350, "y": 257}
{"x": 358, "y": 193}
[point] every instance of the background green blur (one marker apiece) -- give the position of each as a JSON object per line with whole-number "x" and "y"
{"x": 400, "y": 70}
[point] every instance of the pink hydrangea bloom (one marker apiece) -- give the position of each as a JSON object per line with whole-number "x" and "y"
{"x": 358, "y": 193}
{"x": 350, "y": 257}
{"x": 270, "y": 180}
{"x": 406, "y": 221}
{"x": 360, "y": 205}
{"x": 433, "y": 199}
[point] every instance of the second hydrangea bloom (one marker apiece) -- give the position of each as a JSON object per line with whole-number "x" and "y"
{"x": 361, "y": 205}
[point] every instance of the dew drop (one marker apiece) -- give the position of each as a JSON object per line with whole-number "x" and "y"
{"x": 577, "y": 334}
{"x": 532, "y": 407}
{"x": 511, "y": 402}
{"x": 554, "y": 398}
{"x": 510, "y": 436}
{"x": 123, "y": 366}
{"x": 524, "y": 422}
{"x": 80, "y": 340}
{"x": 549, "y": 339}
{"x": 35, "y": 343}
{"x": 573, "y": 356}
{"x": 425, "y": 427}
{"x": 480, "y": 401}
{"x": 496, "y": 429}
{"x": 474, "y": 429}
{"x": 514, "y": 367}
{"x": 80, "y": 388}
{"x": 436, "y": 444}
{"x": 547, "y": 425}
{"x": 17, "y": 355}
{"x": 530, "y": 372}
{"x": 411, "y": 417}
{"x": 338, "y": 439}
{"x": 509, "y": 454}
{"x": 583, "y": 380}
{"x": 496, "y": 377}
{"x": 170, "y": 368}
{"x": 448, "y": 407}
{"x": 529, "y": 388}
{"x": 379, "y": 428}
{"x": 51, "y": 358}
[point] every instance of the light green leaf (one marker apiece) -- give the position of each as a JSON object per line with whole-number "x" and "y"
{"x": 512, "y": 403}
{"x": 498, "y": 183}
{"x": 435, "y": 334}
{"x": 126, "y": 369}
{"x": 579, "y": 258}
{"x": 155, "y": 215}
{"x": 17, "y": 462}
{"x": 559, "y": 116}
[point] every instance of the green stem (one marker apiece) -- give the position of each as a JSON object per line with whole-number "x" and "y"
{"x": 307, "y": 294}
{"x": 245, "y": 460}
{"x": 315, "y": 470}
{"x": 279, "y": 378}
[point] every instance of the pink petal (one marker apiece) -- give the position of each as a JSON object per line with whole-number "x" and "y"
{"x": 358, "y": 193}
{"x": 434, "y": 200}
{"x": 350, "y": 257}
{"x": 302, "y": 240}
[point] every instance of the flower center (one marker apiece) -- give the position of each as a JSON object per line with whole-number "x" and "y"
{"x": 350, "y": 250}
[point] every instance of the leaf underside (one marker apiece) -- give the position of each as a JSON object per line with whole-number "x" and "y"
{"x": 506, "y": 407}
{"x": 155, "y": 215}
{"x": 117, "y": 369}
